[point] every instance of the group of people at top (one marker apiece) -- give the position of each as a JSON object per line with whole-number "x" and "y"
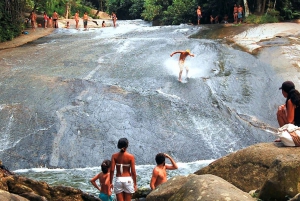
{"x": 53, "y": 21}
{"x": 237, "y": 15}
{"x": 125, "y": 183}
{"x": 48, "y": 21}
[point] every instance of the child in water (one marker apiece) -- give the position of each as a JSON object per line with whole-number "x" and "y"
{"x": 104, "y": 180}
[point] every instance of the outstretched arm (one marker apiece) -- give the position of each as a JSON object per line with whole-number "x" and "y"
{"x": 173, "y": 166}
{"x": 192, "y": 55}
{"x": 175, "y": 53}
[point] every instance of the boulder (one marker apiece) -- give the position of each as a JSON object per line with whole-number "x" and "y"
{"x": 269, "y": 167}
{"x": 164, "y": 191}
{"x": 198, "y": 187}
{"x": 4, "y": 195}
{"x": 209, "y": 188}
{"x": 12, "y": 185}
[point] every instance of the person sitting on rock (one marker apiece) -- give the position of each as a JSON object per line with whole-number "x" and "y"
{"x": 289, "y": 113}
{"x": 159, "y": 174}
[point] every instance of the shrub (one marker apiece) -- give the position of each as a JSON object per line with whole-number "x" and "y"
{"x": 270, "y": 17}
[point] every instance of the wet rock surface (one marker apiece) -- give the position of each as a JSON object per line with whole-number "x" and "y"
{"x": 67, "y": 98}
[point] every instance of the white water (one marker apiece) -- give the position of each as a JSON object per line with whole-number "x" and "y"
{"x": 79, "y": 177}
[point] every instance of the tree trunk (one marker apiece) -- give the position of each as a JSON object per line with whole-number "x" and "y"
{"x": 246, "y": 8}
{"x": 263, "y": 6}
{"x": 258, "y": 9}
{"x": 67, "y": 10}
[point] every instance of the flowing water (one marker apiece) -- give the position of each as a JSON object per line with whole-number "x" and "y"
{"x": 67, "y": 98}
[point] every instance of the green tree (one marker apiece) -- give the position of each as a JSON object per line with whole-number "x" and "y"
{"x": 181, "y": 11}
{"x": 11, "y": 19}
{"x": 153, "y": 9}
{"x": 136, "y": 9}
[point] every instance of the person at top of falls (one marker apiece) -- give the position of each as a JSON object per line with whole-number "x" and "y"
{"x": 104, "y": 181}
{"x": 289, "y": 113}
{"x": 235, "y": 13}
{"x": 159, "y": 174}
{"x": 199, "y": 14}
{"x": 55, "y": 18}
{"x": 114, "y": 18}
{"x": 124, "y": 163}
{"x": 76, "y": 19}
{"x": 240, "y": 13}
{"x": 32, "y": 18}
{"x": 182, "y": 57}
{"x": 45, "y": 16}
{"x": 211, "y": 19}
{"x": 85, "y": 20}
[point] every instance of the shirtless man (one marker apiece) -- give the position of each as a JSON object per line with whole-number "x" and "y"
{"x": 199, "y": 14}
{"x": 55, "y": 18}
{"x": 240, "y": 13}
{"x": 182, "y": 57}
{"x": 235, "y": 13}
{"x": 77, "y": 19}
{"x": 85, "y": 20}
{"x": 159, "y": 174}
{"x": 32, "y": 18}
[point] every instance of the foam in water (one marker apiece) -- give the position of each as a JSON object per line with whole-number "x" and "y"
{"x": 79, "y": 177}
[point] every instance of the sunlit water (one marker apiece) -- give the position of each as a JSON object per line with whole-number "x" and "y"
{"x": 79, "y": 177}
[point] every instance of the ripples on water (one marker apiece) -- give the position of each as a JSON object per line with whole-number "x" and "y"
{"x": 79, "y": 177}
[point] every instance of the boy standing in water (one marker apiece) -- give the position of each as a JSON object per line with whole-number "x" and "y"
{"x": 159, "y": 174}
{"x": 182, "y": 57}
{"x": 104, "y": 180}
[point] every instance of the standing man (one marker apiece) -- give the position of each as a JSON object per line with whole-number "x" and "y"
{"x": 55, "y": 18}
{"x": 77, "y": 19}
{"x": 85, "y": 20}
{"x": 240, "y": 13}
{"x": 32, "y": 18}
{"x": 199, "y": 14}
{"x": 182, "y": 57}
{"x": 235, "y": 13}
{"x": 159, "y": 174}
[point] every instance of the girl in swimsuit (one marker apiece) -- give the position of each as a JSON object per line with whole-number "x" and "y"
{"x": 124, "y": 163}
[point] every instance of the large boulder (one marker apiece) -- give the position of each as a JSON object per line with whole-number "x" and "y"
{"x": 198, "y": 187}
{"x": 14, "y": 186}
{"x": 164, "y": 191}
{"x": 269, "y": 167}
{"x": 4, "y": 195}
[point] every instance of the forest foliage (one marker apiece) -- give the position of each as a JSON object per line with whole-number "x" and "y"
{"x": 163, "y": 12}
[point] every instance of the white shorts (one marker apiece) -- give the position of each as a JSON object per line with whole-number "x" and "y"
{"x": 123, "y": 184}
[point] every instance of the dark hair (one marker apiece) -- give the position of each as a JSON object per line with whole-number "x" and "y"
{"x": 294, "y": 95}
{"x": 160, "y": 158}
{"x": 105, "y": 166}
{"x": 123, "y": 144}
